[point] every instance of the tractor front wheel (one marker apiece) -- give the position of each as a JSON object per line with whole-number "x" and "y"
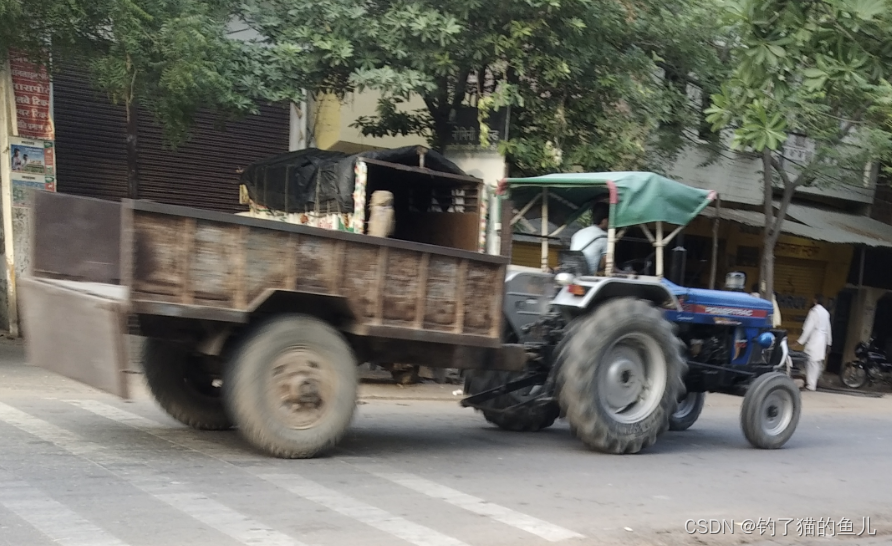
{"x": 770, "y": 410}
{"x": 688, "y": 411}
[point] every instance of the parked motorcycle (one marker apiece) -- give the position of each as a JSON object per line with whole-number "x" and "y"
{"x": 871, "y": 365}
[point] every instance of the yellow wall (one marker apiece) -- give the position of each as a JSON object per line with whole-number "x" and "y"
{"x": 330, "y": 122}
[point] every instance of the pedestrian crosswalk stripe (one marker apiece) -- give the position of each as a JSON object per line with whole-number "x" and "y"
{"x": 184, "y": 437}
{"x": 360, "y": 511}
{"x": 224, "y": 519}
{"x": 52, "y": 518}
{"x": 538, "y": 527}
{"x": 343, "y": 504}
{"x": 178, "y": 495}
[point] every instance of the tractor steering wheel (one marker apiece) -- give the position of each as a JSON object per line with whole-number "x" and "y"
{"x": 646, "y": 264}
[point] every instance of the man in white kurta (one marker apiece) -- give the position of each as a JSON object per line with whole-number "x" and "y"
{"x": 816, "y": 339}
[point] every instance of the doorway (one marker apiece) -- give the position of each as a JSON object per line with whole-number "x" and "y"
{"x": 840, "y": 312}
{"x": 882, "y": 324}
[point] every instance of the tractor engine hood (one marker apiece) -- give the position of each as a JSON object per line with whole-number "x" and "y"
{"x": 703, "y": 306}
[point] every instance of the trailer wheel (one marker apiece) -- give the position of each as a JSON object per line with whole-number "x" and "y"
{"x": 183, "y": 386}
{"x": 688, "y": 411}
{"x": 291, "y": 386}
{"x": 622, "y": 376}
{"x": 530, "y": 418}
{"x": 770, "y": 411}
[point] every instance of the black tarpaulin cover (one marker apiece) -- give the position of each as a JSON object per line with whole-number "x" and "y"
{"x": 306, "y": 179}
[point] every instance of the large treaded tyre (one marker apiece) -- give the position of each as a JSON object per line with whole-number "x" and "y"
{"x": 291, "y": 386}
{"x": 530, "y": 418}
{"x": 182, "y": 387}
{"x": 688, "y": 411}
{"x": 622, "y": 377}
{"x": 770, "y": 411}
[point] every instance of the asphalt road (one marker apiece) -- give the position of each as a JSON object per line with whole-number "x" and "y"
{"x": 81, "y": 468}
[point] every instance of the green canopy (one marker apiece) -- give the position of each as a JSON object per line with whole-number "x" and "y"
{"x": 640, "y": 197}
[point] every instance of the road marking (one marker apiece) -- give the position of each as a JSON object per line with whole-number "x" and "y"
{"x": 524, "y": 522}
{"x": 55, "y": 520}
{"x": 360, "y": 511}
{"x": 177, "y": 495}
{"x": 184, "y": 438}
{"x": 343, "y": 504}
{"x": 224, "y": 519}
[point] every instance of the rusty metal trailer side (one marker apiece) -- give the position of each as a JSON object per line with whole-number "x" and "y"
{"x": 201, "y": 277}
{"x": 194, "y": 264}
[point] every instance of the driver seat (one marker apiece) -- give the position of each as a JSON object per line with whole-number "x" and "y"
{"x": 573, "y": 261}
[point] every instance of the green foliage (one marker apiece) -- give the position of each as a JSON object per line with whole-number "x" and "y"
{"x": 172, "y": 57}
{"x": 579, "y": 75}
{"x": 820, "y": 69}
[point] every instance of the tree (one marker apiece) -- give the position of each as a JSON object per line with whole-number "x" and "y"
{"x": 171, "y": 57}
{"x": 579, "y": 76}
{"x": 818, "y": 70}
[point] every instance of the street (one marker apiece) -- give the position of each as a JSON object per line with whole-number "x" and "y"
{"x": 79, "y": 467}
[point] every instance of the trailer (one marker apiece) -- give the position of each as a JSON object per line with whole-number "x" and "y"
{"x": 260, "y": 324}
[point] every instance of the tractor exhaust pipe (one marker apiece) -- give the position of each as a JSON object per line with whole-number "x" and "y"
{"x": 677, "y": 268}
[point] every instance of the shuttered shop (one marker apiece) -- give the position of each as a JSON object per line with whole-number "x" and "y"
{"x": 796, "y": 281}
{"x": 202, "y": 172}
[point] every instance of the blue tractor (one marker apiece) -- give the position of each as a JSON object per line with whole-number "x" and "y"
{"x": 625, "y": 356}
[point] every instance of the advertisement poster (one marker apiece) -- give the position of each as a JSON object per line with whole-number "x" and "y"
{"x": 32, "y": 152}
{"x": 33, "y": 164}
{"x": 31, "y": 86}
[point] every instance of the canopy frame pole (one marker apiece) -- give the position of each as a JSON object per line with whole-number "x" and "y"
{"x": 611, "y": 246}
{"x": 715, "y": 242}
{"x": 658, "y": 245}
{"x": 672, "y": 235}
{"x": 525, "y": 209}
{"x": 544, "y": 230}
{"x": 647, "y": 233}
{"x": 558, "y": 230}
{"x": 861, "y": 268}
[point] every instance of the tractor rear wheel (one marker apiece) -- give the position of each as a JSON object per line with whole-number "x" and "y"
{"x": 622, "y": 377}
{"x": 770, "y": 410}
{"x": 529, "y": 418}
{"x": 688, "y": 411}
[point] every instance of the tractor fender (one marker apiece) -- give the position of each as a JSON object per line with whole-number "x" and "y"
{"x": 600, "y": 289}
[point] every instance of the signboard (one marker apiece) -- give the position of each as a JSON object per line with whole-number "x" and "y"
{"x": 33, "y": 152}
{"x": 31, "y": 86}
{"x": 33, "y": 165}
{"x": 465, "y": 135}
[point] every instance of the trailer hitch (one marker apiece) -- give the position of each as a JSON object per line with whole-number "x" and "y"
{"x": 474, "y": 401}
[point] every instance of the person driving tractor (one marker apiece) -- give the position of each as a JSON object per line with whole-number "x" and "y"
{"x": 592, "y": 241}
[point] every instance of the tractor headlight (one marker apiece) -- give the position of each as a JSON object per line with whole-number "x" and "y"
{"x": 564, "y": 278}
{"x": 765, "y": 340}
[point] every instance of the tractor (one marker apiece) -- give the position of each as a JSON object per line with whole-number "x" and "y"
{"x": 625, "y": 356}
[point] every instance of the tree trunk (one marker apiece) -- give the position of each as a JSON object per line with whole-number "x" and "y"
{"x": 132, "y": 151}
{"x": 766, "y": 271}
{"x": 773, "y": 223}
{"x": 442, "y": 133}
